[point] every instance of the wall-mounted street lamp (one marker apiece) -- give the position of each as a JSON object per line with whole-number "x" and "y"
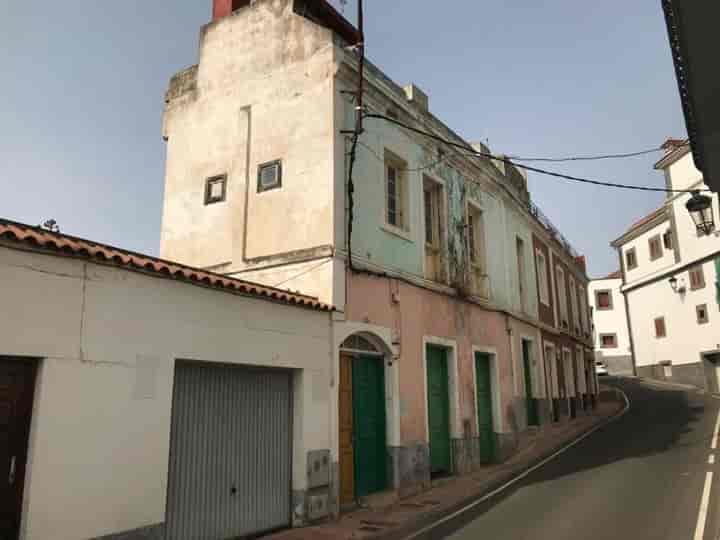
{"x": 678, "y": 288}
{"x": 700, "y": 208}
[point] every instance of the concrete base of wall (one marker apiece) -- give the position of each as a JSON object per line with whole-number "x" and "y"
{"x": 466, "y": 455}
{"x": 692, "y": 374}
{"x": 409, "y": 468}
{"x": 506, "y": 444}
{"x": 545, "y": 411}
{"x": 617, "y": 365}
{"x": 151, "y": 532}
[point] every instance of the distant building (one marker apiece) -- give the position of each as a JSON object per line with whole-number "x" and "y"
{"x": 611, "y": 336}
{"x": 672, "y": 284}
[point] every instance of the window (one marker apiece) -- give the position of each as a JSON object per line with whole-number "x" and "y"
{"x": 432, "y": 197}
{"x": 702, "y": 314}
{"x": 631, "y": 258}
{"x": 608, "y": 341}
{"x": 697, "y": 278}
{"x": 395, "y": 213}
{"x": 542, "y": 275}
{"x": 603, "y": 300}
{"x": 562, "y": 297}
{"x": 655, "y": 247}
{"x": 574, "y": 304}
{"x": 660, "y": 331}
{"x": 269, "y": 176}
{"x": 215, "y": 189}
{"x": 582, "y": 300}
{"x": 668, "y": 239}
{"x": 434, "y": 238}
{"x": 520, "y": 249}
{"x": 476, "y": 237}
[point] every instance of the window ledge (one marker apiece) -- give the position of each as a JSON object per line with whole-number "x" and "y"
{"x": 397, "y": 231}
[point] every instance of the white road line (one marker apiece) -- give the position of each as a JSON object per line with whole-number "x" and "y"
{"x": 702, "y": 514}
{"x": 713, "y": 446}
{"x": 522, "y": 475}
{"x": 711, "y": 459}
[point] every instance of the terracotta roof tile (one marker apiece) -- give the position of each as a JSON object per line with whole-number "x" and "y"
{"x": 617, "y": 274}
{"x": 78, "y": 247}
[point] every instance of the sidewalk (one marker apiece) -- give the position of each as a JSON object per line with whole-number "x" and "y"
{"x": 401, "y": 518}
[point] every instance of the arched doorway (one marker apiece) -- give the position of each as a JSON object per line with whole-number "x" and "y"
{"x": 362, "y": 419}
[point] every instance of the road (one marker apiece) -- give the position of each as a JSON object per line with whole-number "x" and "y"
{"x": 640, "y": 477}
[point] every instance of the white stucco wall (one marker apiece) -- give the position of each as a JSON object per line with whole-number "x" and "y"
{"x": 610, "y": 321}
{"x": 645, "y": 266}
{"x": 686, "y": 339}
{"x": 98, "y": 457}
{"x": 264, "y": 92}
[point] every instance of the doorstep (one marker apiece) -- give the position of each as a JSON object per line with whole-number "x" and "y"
{"x": 401, "y": 517}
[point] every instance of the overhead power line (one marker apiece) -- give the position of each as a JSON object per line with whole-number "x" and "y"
{"x": 468, "y": 150}
{"x": 589, "y": 158}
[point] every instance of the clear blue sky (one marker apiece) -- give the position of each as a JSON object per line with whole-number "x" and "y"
{"x": 83, "y": 86}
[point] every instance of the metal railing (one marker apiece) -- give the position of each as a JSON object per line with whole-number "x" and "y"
{"x": 551, "y": 228}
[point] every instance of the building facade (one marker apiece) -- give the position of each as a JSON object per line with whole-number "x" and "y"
{"x": 611, "y": 335}
{"x": 671, "y": 283}
{"x": 148, "y": 400}
{"x": 430, "y": 258}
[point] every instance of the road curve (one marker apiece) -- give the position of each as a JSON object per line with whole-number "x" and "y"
{"x": 640, "y": 477}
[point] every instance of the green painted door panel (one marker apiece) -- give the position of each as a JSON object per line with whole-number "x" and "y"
{"x": 368, "y": 374}
{"x": 438, "y": 409}
{"x": 532, "y": 412}
{"x": 486, "y": 432}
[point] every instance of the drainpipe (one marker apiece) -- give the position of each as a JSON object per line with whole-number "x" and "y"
{"x": 627, "y": 312}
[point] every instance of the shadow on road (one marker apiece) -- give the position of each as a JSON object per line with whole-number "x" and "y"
{"x": 659, "y": 420}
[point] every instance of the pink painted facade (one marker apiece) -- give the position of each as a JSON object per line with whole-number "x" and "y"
{"x": 416, "y": 314}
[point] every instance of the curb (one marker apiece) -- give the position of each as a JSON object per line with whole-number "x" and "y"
{"x": 425, "y": 526}
{"x": 679, "y": 386}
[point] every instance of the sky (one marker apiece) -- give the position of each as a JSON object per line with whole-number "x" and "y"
{"x": 83, "y": 85}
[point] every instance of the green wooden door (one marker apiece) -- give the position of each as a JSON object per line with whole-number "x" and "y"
{"x": 368, "y": 374}
{"x": 484, "y": 405}
{"x": 532, "y": 412}
{"x": 438, "y": 410}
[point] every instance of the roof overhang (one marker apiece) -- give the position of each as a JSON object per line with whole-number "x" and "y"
{"x": 692, "y": 29}
{"x": 321, "y": 12}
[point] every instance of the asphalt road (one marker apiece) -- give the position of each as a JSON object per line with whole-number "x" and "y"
{"x": 640, "y": 477}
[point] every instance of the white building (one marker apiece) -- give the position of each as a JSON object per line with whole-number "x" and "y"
{"x": 146, "y": 399}
{"x": 674, "y": 325}
{"x": 611, "y": 336}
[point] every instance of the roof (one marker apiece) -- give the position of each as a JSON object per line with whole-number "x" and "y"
{"x": 73, "y": 246}
{"x": 617, "y": 274}
{"x": 640, "y": 224}
{"x": 692, "y": 31}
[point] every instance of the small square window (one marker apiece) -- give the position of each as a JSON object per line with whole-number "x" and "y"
{"x": 603, "y": 300}
{"x": 660, "y": 330}
{"x": 697, "y": 278}
{"x": 702, "y": 314}
{"x": 269, "y": 176}
{"x": 215, "y": 189}
{"x": 608, "y": 341}
{"x": 655, "y": 246}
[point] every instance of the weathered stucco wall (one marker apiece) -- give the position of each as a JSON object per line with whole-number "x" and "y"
{"x": 99, "y": 330}
{"x": 263, "y": 91}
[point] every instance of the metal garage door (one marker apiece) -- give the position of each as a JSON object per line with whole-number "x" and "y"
{"x": 230, "y": 452}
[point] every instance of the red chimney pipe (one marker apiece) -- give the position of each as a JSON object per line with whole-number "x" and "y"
{"x": 221, "y": 8}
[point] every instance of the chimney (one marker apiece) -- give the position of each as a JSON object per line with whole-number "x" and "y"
{"x": 223, "y": 8}
{"x": 581, "y": 263}
{"x": 418, "y": 97}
